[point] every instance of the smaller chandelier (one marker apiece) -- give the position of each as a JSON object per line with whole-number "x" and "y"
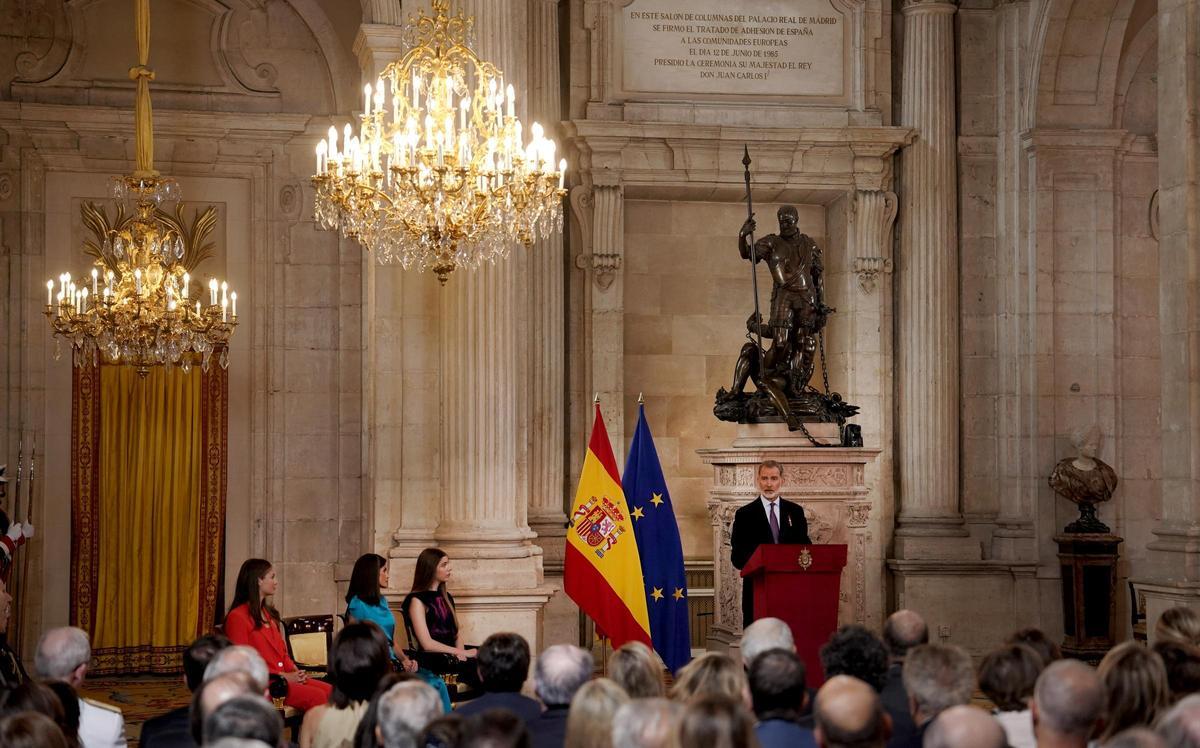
{"x": 439, "y": 175}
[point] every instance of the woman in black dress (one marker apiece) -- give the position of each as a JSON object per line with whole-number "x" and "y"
{"x": 432, "y": 622}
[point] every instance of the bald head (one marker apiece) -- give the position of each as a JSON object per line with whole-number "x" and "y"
{"x": 1068, "y": 700}
{"x": 1180, "y": 727}
{"x": 848, "y": 712}
{"x": 215, "y": 692}
{"x": 904, "y": 630}
{"x": 965, "y": 727}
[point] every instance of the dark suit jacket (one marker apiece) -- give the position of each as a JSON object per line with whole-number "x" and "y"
{"x": 523, "y": 706}
{"x": 751, "y": 528}
{"x": 550, "y": 729}
{"x": 170, "y": 730}
{"x": 895, "y": 703}
{"x": 780, "y": 733}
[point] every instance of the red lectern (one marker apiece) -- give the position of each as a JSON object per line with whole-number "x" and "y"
{"x": 799, "y": 584}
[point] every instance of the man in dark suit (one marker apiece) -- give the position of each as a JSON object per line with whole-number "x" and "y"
{"x": 767, "y": 519}
{"x": 903, "y": 630}
{"x": 503, "y": 667}
{"x": 173, "y": 729}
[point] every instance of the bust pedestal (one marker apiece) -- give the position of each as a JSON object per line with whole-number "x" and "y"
{"x": 829, "y": 482}
{"x": 1089, "y": 593}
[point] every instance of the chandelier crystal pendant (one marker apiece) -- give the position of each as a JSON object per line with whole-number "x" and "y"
{"x": 136, "y": 307}
{"x": 439, "y": 175}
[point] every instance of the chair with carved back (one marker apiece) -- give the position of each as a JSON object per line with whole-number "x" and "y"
{"x": 309, "y": 639}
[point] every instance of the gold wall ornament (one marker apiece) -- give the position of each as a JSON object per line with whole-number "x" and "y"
{"x": 439, "y": 175}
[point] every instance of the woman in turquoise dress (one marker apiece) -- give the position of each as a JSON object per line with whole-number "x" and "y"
{"x": 365, "y": 602}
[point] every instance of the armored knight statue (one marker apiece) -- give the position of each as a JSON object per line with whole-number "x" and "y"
{"x": 1085, "y": 480}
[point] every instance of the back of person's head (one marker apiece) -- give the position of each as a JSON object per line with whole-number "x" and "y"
{"x": 446, "y": 731}
{"x": 1007, "y": 676}
{"x": 937, "y": 677}
{"x": 1180, "y": 726}
{"x": 31, "y": 696}
{"x": 561, "y": 671}
{"x": 239, "y": 659}
{"x": 1182, "y": 662}
{"x": 1068, "y": 700}
{"x": 854, "y": 650}
{"x": 63, "y": 654}
{"x": 1178, "y": 624}
{"x": 503, "y": 662}
{"x": 30, "y": 730}
{"x": 764, "y": 634}
{"x": 365, "y": 735}
{"x": 902, "y": 631}
{"x": 777, "y": 679}
{"x": 250, "y": 717}
{"x": 716, "y": 721}
{"x": 199, "y": 654}
{"x": 965, "y": 726}
{"x": 646, "y": 723}
{"x": 849, "y": 714}
{"x": 212, "y": 693}
{"x": 405, "y": 710}
{"x": 590, "y": 719}
{"x": 1136, "y": 737}
{"x": 1036, "y": 639}
{"x": 710, "y": 673}
{"x": 237, "y": 743}
{"x": 494, "y": 728}
{"x": 69, "y": 700}
{"x": 635, "y": 668}
{"x": 1136, "y": 682}
{"x": 358, "y": 660}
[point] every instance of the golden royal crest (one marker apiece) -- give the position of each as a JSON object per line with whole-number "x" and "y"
{"x": 805, "y": 559}
{"x": 598, "y": 523}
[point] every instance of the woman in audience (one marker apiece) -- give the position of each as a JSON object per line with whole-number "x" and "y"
{"x": 252, "y": 621}
{"x": 70, "y": 704}
{"x": 1182, "y": 662}
{"x": 590, "y": 719}
{"x": 30, "y": 730}
{"x": 1037, "y": 640}
{"x": 430, "y": 616}
{"x": 718, "y": 721}
{"x": 364, "y": 735}
{"x": 1007, "y": 677}
{"x": 712, "y": 673}
{"x": 358, "y": 661}
{"x": 1178, "y": 624}
{"x": 635, "y": 668}
{"x": 1136, "y": 682}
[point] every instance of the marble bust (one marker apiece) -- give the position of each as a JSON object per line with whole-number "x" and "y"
{"x": 1085, "y": 480}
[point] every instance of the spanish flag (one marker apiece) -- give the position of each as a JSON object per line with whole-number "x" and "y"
{"x": 602, "y": 571}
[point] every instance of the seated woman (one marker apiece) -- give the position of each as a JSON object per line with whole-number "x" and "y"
{"x": 253, "y": 622}
{"x": 432, "y": 622}
{"x": 358, "y": 661}
{"x": 365, "y": 602}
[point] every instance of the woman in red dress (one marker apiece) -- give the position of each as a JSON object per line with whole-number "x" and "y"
{"x": 254, "y": 622}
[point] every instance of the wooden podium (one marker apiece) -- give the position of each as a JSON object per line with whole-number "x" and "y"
{"x": 800, "y": 585}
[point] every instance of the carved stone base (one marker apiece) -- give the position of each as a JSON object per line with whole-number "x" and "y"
{"x": 829, "y": 482}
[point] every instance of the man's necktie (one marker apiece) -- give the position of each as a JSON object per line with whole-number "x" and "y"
{"x": 774, "y": 523}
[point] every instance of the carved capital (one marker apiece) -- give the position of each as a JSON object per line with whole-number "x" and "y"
{"x": 929, "y": 6}
{"x": 873, "y": 215}
{"x": 868, "y": 269}
{"x": 604, "y": 267}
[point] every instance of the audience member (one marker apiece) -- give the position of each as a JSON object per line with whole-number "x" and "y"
{"x": 637, "y": 669}
{"x": 764, "y": 634}
{"x": 1136, "y": 682}
{"x": 444, "y": 732}
{"x": 1068, "y": 703}
{"x": 902, "y": 631}
{"x": 495, "y": 728}
{"x": 70, "y": 704}
{"x": 711, "y": 673}
{"x": 560, "y": 672}
{"x": 853, "y": 650}
{"x": 718, "y": 721}
{"x": 647, "y": 723}
{"x": 32, "y": 696}
{"x": 173, "y": 729}
{"x": 503, "y": 663}
{"x": 63, "y": 654}
{"x": 1037, "y": 640}
{"x": 849, "y": 714}
{"x": 238, "y": 743}
{"x": 357, "y": 662}
{"x": 30, "y": 730}
{"x": 366, "y": 734}
{"x": 247, "y": 717}
{"x": 431, "y": 620}
{"x": 1182, "y": 662}
{"x": 238, "y": 658}
{"x": 777, "y": 692}
{"x": 1136, "y": 737}
{"x": 1180, "y": 726}
{"x": 12, "y": 670}
{"x": 965, "y": 727}
{"x": 1178, "y": 624}
{"x": 936, "y": 677}
{"x": 1007, "y": 677}
{"x": 405, "y": 710}
{"x": 214, "y": 692}
{"x": 590, "y": 719}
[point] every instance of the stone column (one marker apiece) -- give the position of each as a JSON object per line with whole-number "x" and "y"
{"x": 930, "y": 521}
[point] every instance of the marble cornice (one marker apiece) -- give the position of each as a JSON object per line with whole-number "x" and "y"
{"x": 109, "y": 121}
{"x": 1067, "y": 140}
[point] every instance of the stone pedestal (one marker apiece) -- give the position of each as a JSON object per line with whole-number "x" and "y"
{"x": 1089, "y": 593}
{"x": 829, "y": 483}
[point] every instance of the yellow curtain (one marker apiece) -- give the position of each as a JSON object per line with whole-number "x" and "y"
{"x": 148, "y": 516}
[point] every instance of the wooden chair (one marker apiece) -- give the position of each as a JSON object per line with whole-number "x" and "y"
{"x": 309, "y": 639}
{"x": 1137, "y": 613}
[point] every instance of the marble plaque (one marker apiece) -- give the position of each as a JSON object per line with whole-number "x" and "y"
{"x": 753, "y": 47}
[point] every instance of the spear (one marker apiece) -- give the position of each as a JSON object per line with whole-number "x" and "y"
{"x": 16, "y": 502}
{"x": 753, "y": 265}
{"x": 29, "y": 501}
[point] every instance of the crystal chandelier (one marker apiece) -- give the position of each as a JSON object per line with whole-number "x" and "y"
{"x": 136, "y": 307}
{"x": 439, "y": 175}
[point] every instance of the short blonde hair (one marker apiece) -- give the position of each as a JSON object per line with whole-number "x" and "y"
{"x": 635, "y": 668}
{"x": 712, "y": 673}
{"x": 1179, "y": 624}
{"x": 1136, "y": 681}
{"x": 590, "y": 718}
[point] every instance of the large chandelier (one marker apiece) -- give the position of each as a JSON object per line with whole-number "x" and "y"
{"x": 439, "y": 174}
{"x": 136, "y": 306}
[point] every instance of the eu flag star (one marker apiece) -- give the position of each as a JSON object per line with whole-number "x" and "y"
{"x": 678, "y": 594}
{"x": 657, "y": 594}
{"x": 657, "y": 499}
{"x": 638, "y": 513}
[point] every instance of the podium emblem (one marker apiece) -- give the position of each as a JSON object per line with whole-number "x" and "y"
{"x": 805, "y": 559}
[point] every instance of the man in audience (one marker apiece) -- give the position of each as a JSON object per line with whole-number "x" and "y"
{"x": 494, "y": 728}
{"x": 240, "y": 659}
{"x": 560, "y": 671}
{"x": 778, "y": 694}
{"x": 503, "y": 663}
{"x": 646, "y": 723}
{"x": 764, "y": 634}
{"x": 1068, "y": 703}
{"x": 63, "y": 654}
{"x": 965, "y": 727}
{"x": 848, "y": 713}
{"x": 936, "y": 677}
{"x": 213, "y": 693}
{"x": 853, "y": 650}
{"x": 246, "y": 717}
{"x": 902, "y": 631}
{"x": 1180, "y": 727}
{"x": 405, "y": 710}
{"x": 173, "y": 730}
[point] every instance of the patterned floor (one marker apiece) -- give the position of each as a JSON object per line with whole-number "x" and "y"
{"x": 140, "y": 697}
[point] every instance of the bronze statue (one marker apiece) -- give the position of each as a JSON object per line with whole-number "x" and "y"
{"x": 1085, "y": 480}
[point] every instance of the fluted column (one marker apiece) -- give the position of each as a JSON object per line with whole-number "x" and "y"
{"x": 930, "y": 521}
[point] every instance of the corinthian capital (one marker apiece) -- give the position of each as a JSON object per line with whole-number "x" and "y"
{"x": 929, "y": 6}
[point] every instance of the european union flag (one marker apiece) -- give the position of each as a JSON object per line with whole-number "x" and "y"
{"x": 661, "y": 552}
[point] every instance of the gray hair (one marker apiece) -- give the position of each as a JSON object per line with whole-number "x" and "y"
{"x": 1136, "y": 737}
{"x": 60, "y": 651}
{"x": 1069, "y": 697}
{"x": 764, "y": 634}
{"x": 938, "y": 676}
{"x": 250, "y": 717}
{"x": 561, "y": 671}
{"x": 239, "y": 659}
{"x": 238, "y": 743}
{"x": 646, "y": 723}
{"x": 1180, "y": 727}
{"x": 405, "y": 710}
{"x": 965, "y": 726}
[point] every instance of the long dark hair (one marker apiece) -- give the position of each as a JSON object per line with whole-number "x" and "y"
{"x": 246, "y": 591}
{"x": 358, "y": 660}
{"x": 364, "y": 580}
{"x": 426, "y": 572}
